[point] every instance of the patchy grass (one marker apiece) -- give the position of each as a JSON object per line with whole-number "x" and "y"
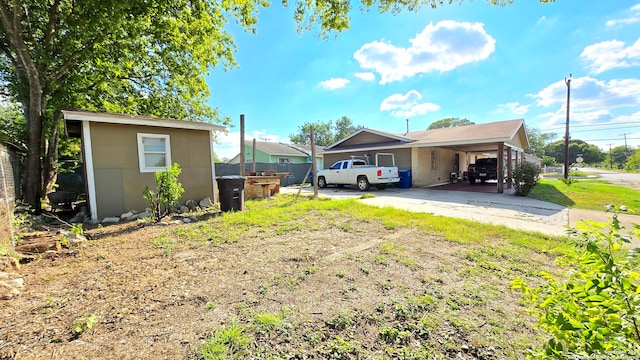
{"x": 586, "y": 194}
{"x": 289, "y": 278}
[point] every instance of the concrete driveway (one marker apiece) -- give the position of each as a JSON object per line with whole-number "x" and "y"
{"x": 506, "y": 209}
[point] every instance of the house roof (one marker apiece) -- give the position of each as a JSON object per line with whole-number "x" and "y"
{"x": 274, "y": 148}
{"x": 472, "y": 138}
{"x": 103, "y": 117}
{"x": 499, "y": 131}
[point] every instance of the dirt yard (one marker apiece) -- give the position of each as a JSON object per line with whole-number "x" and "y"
{"x": 334, "y": 284}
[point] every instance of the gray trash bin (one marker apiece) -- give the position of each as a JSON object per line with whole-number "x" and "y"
{"x": 231, "y": 190}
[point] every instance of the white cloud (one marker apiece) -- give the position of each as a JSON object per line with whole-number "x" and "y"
{"x": 590, "y": 93}
{"x": 591, "y": 100}
{"x": 228, "y": 145}
{"x": 611, "y": 54}
{"x": 440, "y": 47}
{"x": 366, "y": 76}
{"x": 541, "y": 20}
{"x": 514, "y": 108}
{"x": 634, "y": 18}
{"x": 334, "y": 83}
{"x": 407, "y": 105}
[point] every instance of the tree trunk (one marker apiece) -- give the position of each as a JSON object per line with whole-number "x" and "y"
{"x": 50, "y": 156}
{"x": 28, "y": 75}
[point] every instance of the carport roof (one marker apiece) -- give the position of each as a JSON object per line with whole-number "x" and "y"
{"x": 471, "y": 138}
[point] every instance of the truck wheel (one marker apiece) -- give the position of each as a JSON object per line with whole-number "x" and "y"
{"x": 363, "y": 183}
{"x": 472, "y": 180}
{"x": 381, "y": 186}
{"x": 322, "y": 182}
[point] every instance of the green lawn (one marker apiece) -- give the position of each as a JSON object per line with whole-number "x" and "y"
{"x": 586, "y": 194}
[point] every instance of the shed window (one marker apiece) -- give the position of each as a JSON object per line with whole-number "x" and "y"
{"x": 154, "y": 152}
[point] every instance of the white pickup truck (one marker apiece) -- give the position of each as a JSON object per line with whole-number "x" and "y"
{"x": 359, "y": 172}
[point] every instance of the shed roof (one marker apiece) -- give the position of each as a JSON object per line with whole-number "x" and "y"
{"x": 104, "y": 117}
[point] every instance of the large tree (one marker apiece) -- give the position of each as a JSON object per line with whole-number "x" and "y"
{"x": 325, "y": 132}
{"x": 591, "y": 154}
{"x": 538, "y": 142}
{"x": 132, "y": 56}
{"x": 449, "y": 122}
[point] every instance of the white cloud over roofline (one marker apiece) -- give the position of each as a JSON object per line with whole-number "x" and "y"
{"x": 439, "y": 47}
{"x": 407, "y": 105}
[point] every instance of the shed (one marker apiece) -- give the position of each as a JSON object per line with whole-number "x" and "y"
{"x": 121, "y": 153}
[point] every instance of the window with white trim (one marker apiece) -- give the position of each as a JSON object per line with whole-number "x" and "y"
{"x": 154, "y": 152}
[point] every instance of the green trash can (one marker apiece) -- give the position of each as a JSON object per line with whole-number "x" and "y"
{"x": 231, "y": 190}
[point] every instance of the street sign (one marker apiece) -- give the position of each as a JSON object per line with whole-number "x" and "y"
{"x": 579, "y": 160}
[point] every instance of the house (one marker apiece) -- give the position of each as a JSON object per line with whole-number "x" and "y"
{"x": 435, "y": 156}
{"x": 121, "y": 153}
{"x": 279, "y": 153}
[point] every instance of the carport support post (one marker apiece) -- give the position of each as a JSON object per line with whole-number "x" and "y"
{"x": 500, "y": 167}
{"x": 509, "y": 167}
{"x": 313, "y": 163}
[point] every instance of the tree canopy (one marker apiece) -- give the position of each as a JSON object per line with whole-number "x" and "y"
{"x": 325, "y": 133}
{"x": 147, "y": 57}
{"x": 538, "y": 142}
{"x": 450, "y": 122}
{"x": 590, "y": 153}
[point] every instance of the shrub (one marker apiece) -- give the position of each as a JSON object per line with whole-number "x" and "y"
{"x": 168, "y": 191}
{"x": 593, "y": 312}
{"x": 525, "y": 178}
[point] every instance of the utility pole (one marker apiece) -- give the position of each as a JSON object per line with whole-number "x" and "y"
{"x": 566, "y": 131}
{"x": 625, "y": 142}
{"x": 610, "y": 158}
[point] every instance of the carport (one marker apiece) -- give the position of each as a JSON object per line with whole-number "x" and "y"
{"x": 433, "y": 155}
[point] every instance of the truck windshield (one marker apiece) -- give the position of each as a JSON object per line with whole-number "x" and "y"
{"x": 336, "y": 166}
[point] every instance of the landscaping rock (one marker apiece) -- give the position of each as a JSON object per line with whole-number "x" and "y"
{"x": 110, "y": 220}
{"x": 205, "y": 203}
{"x": 186, "y": 220}
{"x": 127, "y": 215}
{"x": 183, "y": 209}
{"x": 142, "y": 215}
{"x": 192, "y": 205}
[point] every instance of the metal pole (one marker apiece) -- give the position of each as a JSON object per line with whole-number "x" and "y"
{"x": 313, "y": 163}
{"x": 566, "y": 132}
{"x": 242, "y": 150}
{"x": 253, "y": 165}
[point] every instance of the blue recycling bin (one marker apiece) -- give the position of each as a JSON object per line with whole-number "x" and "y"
{"x": 405, "y": 179}
{"x": 311, "y": 177}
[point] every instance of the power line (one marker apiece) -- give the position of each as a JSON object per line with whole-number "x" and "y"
{"x": 592, "y": 125}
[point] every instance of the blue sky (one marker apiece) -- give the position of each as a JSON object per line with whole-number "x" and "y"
{"x": 475, "y": 61}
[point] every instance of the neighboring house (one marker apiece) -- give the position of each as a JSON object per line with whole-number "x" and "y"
{"x": 532, "y": 159}
{"x": 434, "y": 156}
{"x": 280, "y": 153}
{"x": 121, "y": 153}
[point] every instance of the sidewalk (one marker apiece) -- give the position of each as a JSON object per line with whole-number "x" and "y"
{"x": 517, "y": 212}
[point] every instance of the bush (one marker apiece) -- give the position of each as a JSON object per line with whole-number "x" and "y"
{"x": 593, "y": 311}
{"x": 525, "y": 178}
{"x": 168, "y": 191}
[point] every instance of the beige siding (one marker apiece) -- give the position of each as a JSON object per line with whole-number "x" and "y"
{"x": 119, "y": 183}
{"x": 422, "y": 173}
